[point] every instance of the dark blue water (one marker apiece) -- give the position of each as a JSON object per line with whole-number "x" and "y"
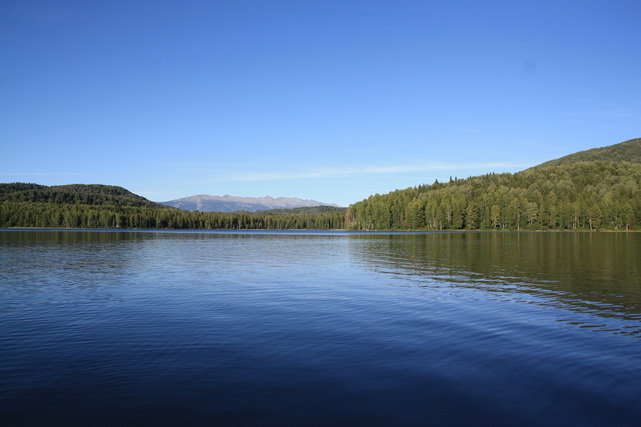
{"x": 320, "y": 328}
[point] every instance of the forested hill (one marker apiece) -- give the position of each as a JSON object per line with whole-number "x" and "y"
{"x": 104, "y": 206}
{"x": 628, "y": 151}
{"x": 76, "y": 194}
{"x": 572, "y": 195}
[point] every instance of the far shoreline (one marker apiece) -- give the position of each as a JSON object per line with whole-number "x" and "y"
{"x": 233, "y": 230}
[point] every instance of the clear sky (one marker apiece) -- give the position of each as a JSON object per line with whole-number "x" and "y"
{"x": 329, "y": 100}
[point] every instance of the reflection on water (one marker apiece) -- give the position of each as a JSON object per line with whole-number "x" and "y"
{"x": 247, "y": 328}
{"x": 593, "y": 274}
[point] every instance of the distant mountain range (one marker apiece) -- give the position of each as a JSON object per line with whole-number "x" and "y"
{"x": 206, "y": 203}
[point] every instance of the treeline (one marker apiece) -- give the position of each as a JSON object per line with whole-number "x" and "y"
{"x": 628, "y": 151}
{"x": 35, "y": 214}
{"x": 580, "y": 196}
{"x": 564, "y": 194}
{"x": 78, "y": 194}
{"x": 306, "y": 210}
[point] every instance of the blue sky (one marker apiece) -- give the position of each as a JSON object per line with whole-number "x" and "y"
{"x": 329, "y": 100}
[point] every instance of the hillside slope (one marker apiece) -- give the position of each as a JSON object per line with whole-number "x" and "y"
{"x": 571, "y": 193}
{"x": 627, "y": 151}
{"x": 85, "y": 194}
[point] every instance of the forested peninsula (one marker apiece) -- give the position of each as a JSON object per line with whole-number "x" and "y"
{"x": 597, "y": 189}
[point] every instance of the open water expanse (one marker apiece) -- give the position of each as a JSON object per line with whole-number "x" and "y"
{"x": 246, "y": 328}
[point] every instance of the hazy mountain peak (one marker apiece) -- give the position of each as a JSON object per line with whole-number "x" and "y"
{"x": 227, "y": 203}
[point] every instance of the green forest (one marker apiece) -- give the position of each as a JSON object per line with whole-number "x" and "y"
{"x": 29, "y": 214}
{"x": 597, "y": 189}
{"x": 591, "y": 190}
{"x": 78, "y": 194}
{"x": 102, "y": 206}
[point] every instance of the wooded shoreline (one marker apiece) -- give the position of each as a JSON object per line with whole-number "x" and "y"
{"x": 594, "y": 190}
{"x": 343, "y": 230}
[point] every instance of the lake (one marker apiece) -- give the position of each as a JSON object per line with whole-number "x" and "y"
{"x": 246, "y": 328}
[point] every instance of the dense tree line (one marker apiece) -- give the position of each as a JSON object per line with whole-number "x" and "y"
{"x": 584, "y": 195}
{"x": 628, "y": 151}
{"x": 306, "y": 210}
{"x": 80, "y": 194}
{"x": 589, "y": 190}
{"x": 35, "y": 214}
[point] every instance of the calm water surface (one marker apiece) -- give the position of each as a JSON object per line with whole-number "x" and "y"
{"x": 319, "y": 328}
